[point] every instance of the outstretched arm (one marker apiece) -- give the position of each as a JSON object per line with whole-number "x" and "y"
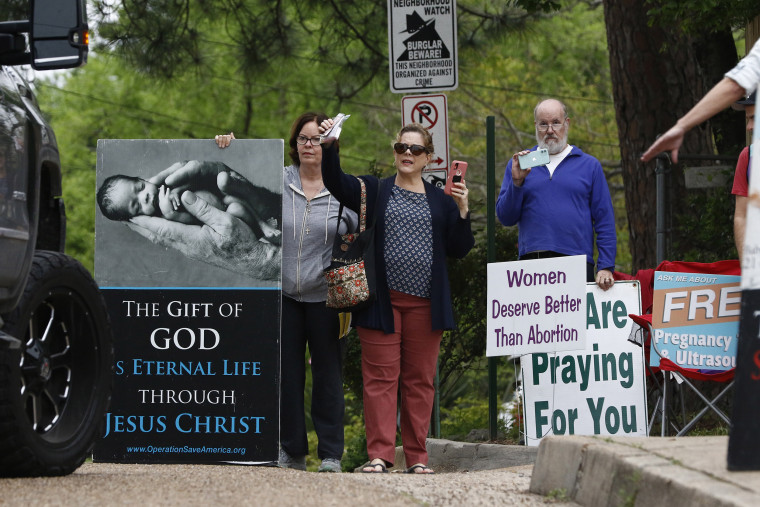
{"x": 722, "y": 95}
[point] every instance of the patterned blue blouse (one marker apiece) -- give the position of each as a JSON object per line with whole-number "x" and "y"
{"x": 408, "y": 248}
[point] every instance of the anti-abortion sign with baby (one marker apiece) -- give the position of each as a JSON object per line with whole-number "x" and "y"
{"x": 188, "y": 255}
{"x": 695, "y": 318}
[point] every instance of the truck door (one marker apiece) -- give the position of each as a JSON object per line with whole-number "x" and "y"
{"x": 14, "y": 179}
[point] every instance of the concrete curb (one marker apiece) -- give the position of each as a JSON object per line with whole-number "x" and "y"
{"x": 640, "y": 471}
{"x": 449, "y": 456}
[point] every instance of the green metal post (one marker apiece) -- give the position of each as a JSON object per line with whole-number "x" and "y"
{"x": 491, "y": 252}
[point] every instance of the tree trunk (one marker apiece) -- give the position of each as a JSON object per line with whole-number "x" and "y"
{"x": 716, "y": 54}
{"x": 655, "y": 80}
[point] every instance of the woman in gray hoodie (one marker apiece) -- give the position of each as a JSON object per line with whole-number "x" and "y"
{"x": 309, "y": 225}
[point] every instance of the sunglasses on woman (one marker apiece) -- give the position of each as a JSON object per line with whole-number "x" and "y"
{"x": 416, "y": 149}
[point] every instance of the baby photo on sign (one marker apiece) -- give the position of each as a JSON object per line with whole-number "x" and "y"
{"x": 182, "y": 213}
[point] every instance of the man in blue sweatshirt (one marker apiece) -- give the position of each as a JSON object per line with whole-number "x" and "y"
{"x": 560, "y": 206}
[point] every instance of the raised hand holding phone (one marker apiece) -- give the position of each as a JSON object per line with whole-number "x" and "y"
{"x": 456, "y": 174}
{"x": 534, "y": 158}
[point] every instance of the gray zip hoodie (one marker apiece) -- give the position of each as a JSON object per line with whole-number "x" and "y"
{"x": 308, "y": 234}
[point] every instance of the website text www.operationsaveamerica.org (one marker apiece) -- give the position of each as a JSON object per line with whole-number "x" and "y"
{"x": 185, "y": 449}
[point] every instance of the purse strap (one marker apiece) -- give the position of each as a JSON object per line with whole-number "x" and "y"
{"x": 363, "y": 206}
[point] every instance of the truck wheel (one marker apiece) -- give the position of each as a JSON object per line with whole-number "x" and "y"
{"x": 55, "y": 390}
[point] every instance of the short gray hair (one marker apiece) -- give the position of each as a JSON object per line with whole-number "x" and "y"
{"x": 535, "y": 109}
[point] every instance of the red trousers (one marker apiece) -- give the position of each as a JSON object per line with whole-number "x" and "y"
{"x": 409, "y": 354}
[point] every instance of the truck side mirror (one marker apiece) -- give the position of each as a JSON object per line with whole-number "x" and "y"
{"x": 59, "y": 34}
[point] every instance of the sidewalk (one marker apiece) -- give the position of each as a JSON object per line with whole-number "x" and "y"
{"x": 613, "y": 471}
{"x": 642, "y": 471}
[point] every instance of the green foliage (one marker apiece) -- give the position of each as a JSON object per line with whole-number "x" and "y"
{"x": 465, "y": 414}
{"x": 352, "y": 373}
{"x": 107, "y": 99}
{"x": 355, "y": 438}
{"x": 517, "y": 420}
{"x": 705, "y": 230}
{"x": 14, "y": 10}
{"x": 464, "y": 348}
{"x": 533, "y": 6}
{"x": 559, "y": 494}
{"x": 695, "y": 16}
{"x": 716, "y": 430}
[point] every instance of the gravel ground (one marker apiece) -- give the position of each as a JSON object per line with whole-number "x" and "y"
{"x": 112, "y": 484}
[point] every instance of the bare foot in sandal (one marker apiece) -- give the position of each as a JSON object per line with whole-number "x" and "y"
{"x": 376, "y": 466}
{"x": 419, "y": 468}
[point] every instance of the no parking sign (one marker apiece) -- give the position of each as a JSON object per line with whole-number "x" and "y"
{"x": 430, "y": 111}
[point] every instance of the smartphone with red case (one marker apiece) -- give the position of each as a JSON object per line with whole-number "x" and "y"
{"x": 456, "y": 174}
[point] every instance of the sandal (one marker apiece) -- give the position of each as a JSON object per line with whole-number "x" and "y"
{"x": 423, "y": 469}
{"x": 373, "y": 468}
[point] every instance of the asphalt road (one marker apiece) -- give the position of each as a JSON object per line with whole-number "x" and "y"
{"x": 148, "y": 485}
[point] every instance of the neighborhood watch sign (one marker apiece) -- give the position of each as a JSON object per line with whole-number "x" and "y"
{"x": 422, "y": 40}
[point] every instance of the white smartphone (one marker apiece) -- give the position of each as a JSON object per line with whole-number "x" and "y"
{"x": 534, "y": 158}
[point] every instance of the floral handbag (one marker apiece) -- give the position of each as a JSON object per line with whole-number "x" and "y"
{"x": 351, "y": 274}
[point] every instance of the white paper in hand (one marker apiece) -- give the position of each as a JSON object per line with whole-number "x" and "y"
{"x": 334, "y": 133}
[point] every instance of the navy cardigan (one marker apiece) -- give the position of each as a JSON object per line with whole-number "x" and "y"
{"x": 452, "y": 236}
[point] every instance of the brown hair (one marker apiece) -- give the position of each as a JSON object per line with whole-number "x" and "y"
{"x": 296, "y": 129}
{"x": 419, "y": 129}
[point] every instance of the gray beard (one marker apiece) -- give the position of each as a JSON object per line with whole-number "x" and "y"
{"x": 553, "y": 146}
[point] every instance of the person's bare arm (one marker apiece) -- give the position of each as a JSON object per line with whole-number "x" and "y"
{"x": 721, "y": 96}
{"x": 740, "y": 223}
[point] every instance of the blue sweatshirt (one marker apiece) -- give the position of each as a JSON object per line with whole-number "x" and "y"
{"x": 562, "y": 212}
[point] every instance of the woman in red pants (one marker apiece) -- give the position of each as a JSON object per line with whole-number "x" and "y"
{"x": 418, "y": 226}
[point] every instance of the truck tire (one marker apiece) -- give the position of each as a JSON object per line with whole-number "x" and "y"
{"x": 55, "y": 390}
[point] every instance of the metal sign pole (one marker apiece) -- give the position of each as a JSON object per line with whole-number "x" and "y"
{"x": 491, "y": 255}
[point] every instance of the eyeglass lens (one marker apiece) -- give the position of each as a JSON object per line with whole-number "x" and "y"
{"x": 543, "y": 127}
{"x": 303, "y": 139}
{"x": 416, "y": 149}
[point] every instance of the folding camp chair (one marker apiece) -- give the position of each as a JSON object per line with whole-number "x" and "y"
{"x": 682, "y": 376}
{"x": 663, "y": 406}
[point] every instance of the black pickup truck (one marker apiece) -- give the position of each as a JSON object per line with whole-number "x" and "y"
{"x": 56, "y": 347}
